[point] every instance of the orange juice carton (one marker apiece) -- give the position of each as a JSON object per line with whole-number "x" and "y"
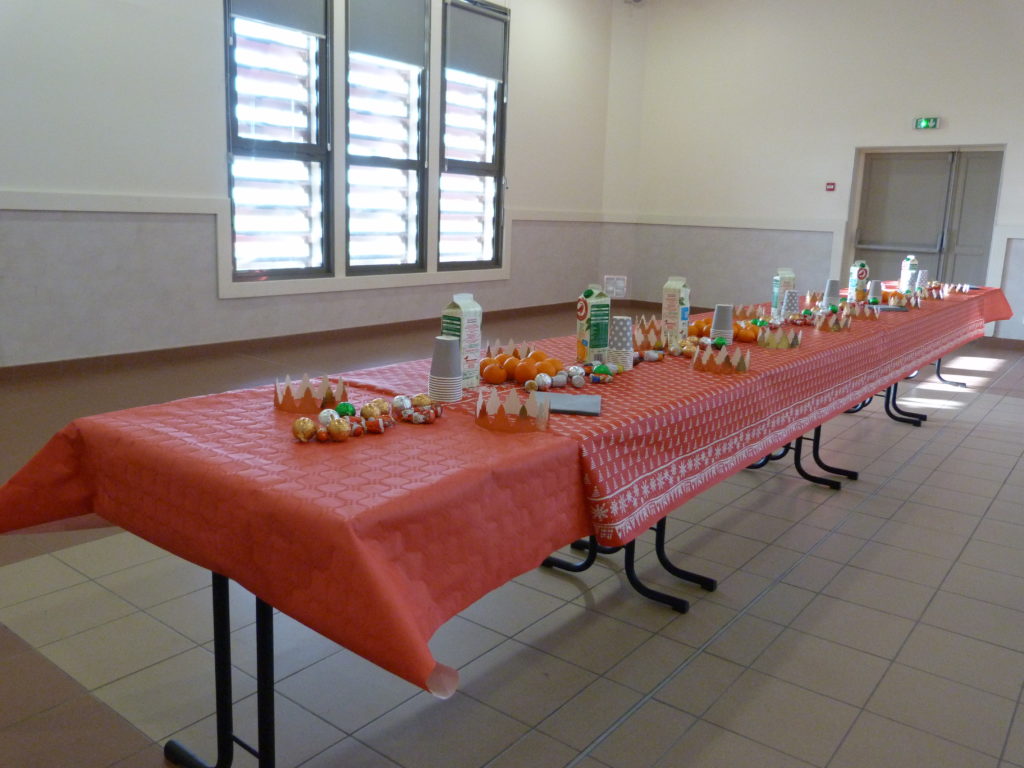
{"x": 463, "y": 318}
{"x": 593, "y": 315}
{"x": 675, "y": 310}
{"x": 858, "y": 285}
{"x": 908, "y": 273}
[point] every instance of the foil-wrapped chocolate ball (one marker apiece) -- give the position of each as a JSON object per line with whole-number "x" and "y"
{"x": 401, "y": 403}
{"x": 327, "y": 415}
{"x": 321, "y": 434}
{"x": 304, "y": 429}
{"x": 369, "y": 411}
{"x": 421, "y": 400}
{"x": 575, "y": 370}
{"x": 601, "y": 369}
{"x": 543, "y": 381}
{"x": 338, "y": 430}
{"x": 382, "y": 405}
{"x": 345, "y": 409}
{"x": 578, "y": 380}
{"x": 560, "y": 380}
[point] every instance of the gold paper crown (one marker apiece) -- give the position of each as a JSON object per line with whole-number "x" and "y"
{"x": 648, "y": 334}
{"x": 722, "y": 361}
{"x": 510, "y": 414}
{"x": 307, "y": 397}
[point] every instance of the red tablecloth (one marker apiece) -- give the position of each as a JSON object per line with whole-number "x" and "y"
{"x": 377, "y": 541}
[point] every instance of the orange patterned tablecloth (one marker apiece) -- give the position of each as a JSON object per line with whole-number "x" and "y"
{"x": 377, "y": 541}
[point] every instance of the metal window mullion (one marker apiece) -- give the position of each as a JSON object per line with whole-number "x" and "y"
{"x": 278, "y": 150}
{"x": 371, "y": 161}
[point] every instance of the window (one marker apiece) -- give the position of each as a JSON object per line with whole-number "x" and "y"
{"x": 380, "y": 178}
{"x": 386, "y": 158}
{"x": 476, "y": 41}
{"x": 279, "y": 164}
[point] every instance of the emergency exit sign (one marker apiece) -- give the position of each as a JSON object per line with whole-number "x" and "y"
{"x": 924, "y": 123}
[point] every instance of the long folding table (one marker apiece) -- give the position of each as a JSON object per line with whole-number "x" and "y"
{"x": 377, "y": 541}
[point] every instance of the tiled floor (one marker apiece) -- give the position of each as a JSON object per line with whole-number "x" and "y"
{"x": 880, "y": 625}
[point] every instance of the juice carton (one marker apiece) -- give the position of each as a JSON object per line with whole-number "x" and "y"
{"x": 858, "y": 286}
{"x": 593, "y": 314}
{"x": 784, "y": 280}
{"x": 675, "y": 309}
{"x": 908, "y": 273}
{"x": 463, "y": 318}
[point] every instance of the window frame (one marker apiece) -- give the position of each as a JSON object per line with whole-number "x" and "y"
{"x": 319, "y": 151}
{"x": 472, "y": 168}
{"x": 230, "y": 287}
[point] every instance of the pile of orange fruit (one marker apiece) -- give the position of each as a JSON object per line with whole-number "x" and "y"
{"x": 508, "y": 366}
{"x": 742, "y": 330}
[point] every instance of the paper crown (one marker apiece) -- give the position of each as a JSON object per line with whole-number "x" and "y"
{"x": 862, "y": 310}
{"x": 510, "y": 414}
{"x": 722, "y": 360}
{"x": 307, "y": 396}
{"x": 833, "y": 321}
{"x": 779, "y": 338}
{"x": 648, "y": 334}
{"x": 748, "y": 312}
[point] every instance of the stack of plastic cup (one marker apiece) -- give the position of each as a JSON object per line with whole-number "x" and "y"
{"x": 831, "y": 293}
{"x": 922, "y": 279}
{"x": 620, "y": 342}
{"x": 790, "y": 304}
{"x": 445, "y": 383}
{"x": 875, "y": 290}
{"x": 721, "y": 323}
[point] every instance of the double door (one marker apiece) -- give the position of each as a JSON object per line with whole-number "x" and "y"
{"x": 938, "y": 205}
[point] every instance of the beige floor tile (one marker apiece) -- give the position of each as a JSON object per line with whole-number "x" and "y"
{"x": 299, "y": 735}
{"x": 955, "y": 500}
{"x": 857, "y": 626}
{"x": 1015, "y": 743}
{"x": 110, "y": 554}
{"x": 738, "y": 589}
{"x": 861, "y": 525}
{"x": 781, "y": 604}
{"x": 839, "y": 547}
{"x": 156, "y": 581}
{"x": 711, "y": 544}
{"x": 63, "y": 613}
{"x": 967, "y": 481}
{"x": 511, "y": 608}
{"x": 696, "y": 627}
{"x": 748, "y": 523}
{"x": 523, "y": 682}
{"x": 590, "y": 713}
{"x": 999, "y": 532}
{"x": 644, "y": 737}
{"x": 700, "y": 683}
{"x": 902, "y": 563}
{"x": 533, "y": 749}
{"x": 898, "y": 489}
{"x": 564, "y": 584}
{"x": 650, "y": 663}
{"x": 938, "y": 519}
{"x": 813, "y": 573}
{"x": 192, "y": 614}
{"x": 296, "y": 647}
{"x": 834, "y": 670}
{"x": 352, "y": 753}
{"x": 772, "y": 561}
{"x": 1007, "y": 511}
{"x": 924, "y": 540}
{"x": 695, "y": 510}
{"x": 584, "y": 638}
{"x": 30, "y": 684}
{"x": 971, "y": 717}
{"x": 615, "y": 598}
{"x": 783, "y": 716}
{"x": 876, "y": 590}
{"x": 801, "y": 537}
{"x": 978, "y": 619}
{"x": 991, "y": 586}
{"x": 346, "y": 690}
{"x": 964, "y": 659}
{"x": 882, "y": 743}
{"x": 35, "y": 577}
{"x": 828, "y": 516}
{"x": 103, "y": 654}
{"x": 744, "y": 639}
{"x": 428, "y": 733}
{"x": 995, "y": 557}
{"x": 787, "y": 507}
{"x": 957, "y": 469}
{"x": 458, "y": 641}
{"x": 172, "y": 694}
{"x": 975, "y": 455}
{"x": 708, "y": 746}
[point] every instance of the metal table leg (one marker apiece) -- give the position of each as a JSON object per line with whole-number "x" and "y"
{"x": 896, "y": 413}
{"x": 174, "y": 752}
{"x": 938, "y": 375}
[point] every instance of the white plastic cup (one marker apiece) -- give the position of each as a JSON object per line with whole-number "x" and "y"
{"x": 875, "y": 290}
{"x": 831, "y": 292}
{"x": 447, "y": 360}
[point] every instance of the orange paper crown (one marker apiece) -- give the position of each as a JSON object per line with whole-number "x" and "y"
{"x": 510, "y": 414}
{"x": 307, "y": 397}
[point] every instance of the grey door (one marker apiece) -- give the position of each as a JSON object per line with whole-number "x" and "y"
{"x": 940, "y": 206}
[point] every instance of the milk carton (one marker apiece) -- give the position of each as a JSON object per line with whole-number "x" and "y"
{"x": 463, "y": 318}
{"x": 908, "y": 273}
{"x": 858, "y": 286}
{"x": 593, "y": 314}
{"x": 784, "y": 280}
{"x": 675, "y": 309}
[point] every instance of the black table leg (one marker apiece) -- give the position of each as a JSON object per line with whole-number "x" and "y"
{"x": 860, "y": 406}
{"x": 798, "y": 464}
{"x": 938, "y": 375}
{"x": 174, "y": 752}
{"x": 816, "y": 455}
{"x": 894, "y": 412}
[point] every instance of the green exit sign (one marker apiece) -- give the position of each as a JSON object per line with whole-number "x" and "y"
{"x": 922, "y": 123}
